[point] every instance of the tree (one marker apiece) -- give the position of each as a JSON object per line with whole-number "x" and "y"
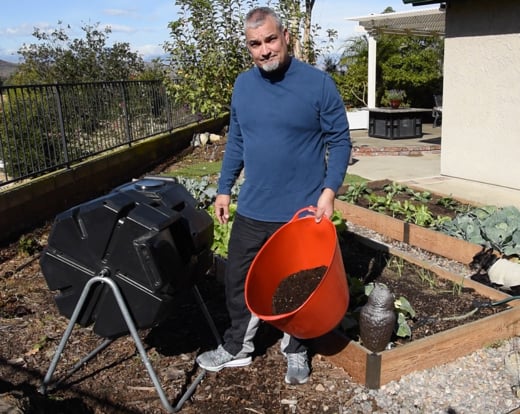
{"x": 415, "y": 65}
{"x": 207, "y": 52}
{"x": 410, "y": 63}
{"x": 302, "y": 32}
{"x": 207, "y": 49}
{"x": 57, "y": 58}
{"x": 352, "y": 80}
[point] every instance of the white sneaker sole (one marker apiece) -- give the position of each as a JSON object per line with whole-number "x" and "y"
{"x": 234, "y": 363}
{"x": 294, "y": 381}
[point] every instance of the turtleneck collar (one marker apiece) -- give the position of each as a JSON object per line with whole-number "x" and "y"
{"x": 277, "y": 75}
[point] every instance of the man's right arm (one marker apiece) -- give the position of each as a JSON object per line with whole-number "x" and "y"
{"x": 233, "y": 162}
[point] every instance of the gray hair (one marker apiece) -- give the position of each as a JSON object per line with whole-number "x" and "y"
{"x": 256, "y": 18}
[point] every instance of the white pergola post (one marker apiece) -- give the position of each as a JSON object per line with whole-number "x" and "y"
{"x": 372, "y": 53}
{"x": 426, "y": 22}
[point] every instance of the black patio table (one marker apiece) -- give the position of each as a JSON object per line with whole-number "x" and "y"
{"x": 396, "y": 123}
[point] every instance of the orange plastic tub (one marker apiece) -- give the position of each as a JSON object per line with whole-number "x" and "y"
{"x": 300, "y": 244}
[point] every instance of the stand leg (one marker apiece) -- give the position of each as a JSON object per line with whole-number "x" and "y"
{"x": 68, "y": 331}
{"x": 135, "y": 336}
{"x": 207, "y": 315}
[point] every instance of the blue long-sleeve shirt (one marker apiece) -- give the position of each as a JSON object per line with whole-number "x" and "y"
{"x": 291, "y": 136}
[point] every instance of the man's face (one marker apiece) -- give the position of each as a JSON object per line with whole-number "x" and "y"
{"x": 268, "y": 45}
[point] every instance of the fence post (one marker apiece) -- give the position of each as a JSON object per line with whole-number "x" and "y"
{"x": 126, "y": 112}
{"x": 168, "y": 107}
{"x": 2, "y": 153}
{"x": 62, "y": 125}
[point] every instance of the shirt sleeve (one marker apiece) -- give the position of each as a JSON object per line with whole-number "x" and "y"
{"x": 233, "y": 161}
{"x": 336, "y": 135}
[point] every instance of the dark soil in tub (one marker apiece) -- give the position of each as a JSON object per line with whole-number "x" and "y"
{"x": 294, "y": 289}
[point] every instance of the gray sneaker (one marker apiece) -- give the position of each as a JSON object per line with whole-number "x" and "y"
{"x": 219, "y": 358}
{"x": 297, "y": 368}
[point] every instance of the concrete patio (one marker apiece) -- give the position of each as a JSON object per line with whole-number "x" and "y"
{"x": 416, "y": 162}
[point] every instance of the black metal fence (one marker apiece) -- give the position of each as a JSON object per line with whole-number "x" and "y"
{"x": 46, "y": 127}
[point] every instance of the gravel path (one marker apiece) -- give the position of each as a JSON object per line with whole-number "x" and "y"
{"x": 484, "y": 381}
{"x": 474, "y": 384}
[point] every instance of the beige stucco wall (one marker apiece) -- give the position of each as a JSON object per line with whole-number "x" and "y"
{"x": 481, "y": 108}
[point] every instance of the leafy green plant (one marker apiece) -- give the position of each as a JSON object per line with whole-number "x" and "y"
{"x": 423, "y": 216}
{"x": 488, "y": 226}
{"x": 203, "y": 189}
{"x": 28, "y": 246}
{"x": 448, "y": 202}
{"x": 393, "y": 94}
{"x": 427, "y": 277}
{"x": 413, "y": 210}
{"x": 379, "y": 202}
{"x": 457, "y": 287}
{"x": 354, "y": 192}
{"x": 396, "y": 264}
{"x": 405, "y": 311}
{"x": 339, "y": 222}
{"x": 421, "y": 196}
{"x": 221, "y": 232}
{"x": 394, "y": 188}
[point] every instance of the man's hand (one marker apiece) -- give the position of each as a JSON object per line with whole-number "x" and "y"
{"x": 222, "y": 208}
{"x": 325, "y": 205}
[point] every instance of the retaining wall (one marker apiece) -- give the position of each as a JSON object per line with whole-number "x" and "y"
{"x": 27, "y": 205}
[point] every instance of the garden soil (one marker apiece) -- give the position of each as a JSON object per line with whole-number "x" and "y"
{"x": 116, "y": 380}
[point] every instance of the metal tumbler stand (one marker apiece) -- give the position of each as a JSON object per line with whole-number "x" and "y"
{"x": 104, "y": 278}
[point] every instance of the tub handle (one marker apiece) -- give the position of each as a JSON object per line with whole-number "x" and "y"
{"x": 309, "y": 209}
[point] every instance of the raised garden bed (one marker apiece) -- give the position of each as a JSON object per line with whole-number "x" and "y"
{"x": 414, "y": 235}
{"x": 376, "y": 369}
{"x": 422, "y": 237}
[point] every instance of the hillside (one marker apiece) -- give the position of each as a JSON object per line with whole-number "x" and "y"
{"x": 7, "y": 69}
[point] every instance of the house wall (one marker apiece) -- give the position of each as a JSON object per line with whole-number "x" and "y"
{"x": 481, "y": 97}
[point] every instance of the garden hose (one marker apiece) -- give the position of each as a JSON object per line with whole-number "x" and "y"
{"x": 490, "y": 304}
{"x": 477, "y": 305}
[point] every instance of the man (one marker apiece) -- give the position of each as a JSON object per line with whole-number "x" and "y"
{"x": 289, "y": 132}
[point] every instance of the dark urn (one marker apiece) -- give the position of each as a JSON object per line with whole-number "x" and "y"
{"x": 377, "y": 319}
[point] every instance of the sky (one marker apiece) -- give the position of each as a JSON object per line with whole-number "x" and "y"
{"x": 144, "y": 23}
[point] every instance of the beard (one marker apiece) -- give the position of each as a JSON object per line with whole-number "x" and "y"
{"x": 270, "y": 66}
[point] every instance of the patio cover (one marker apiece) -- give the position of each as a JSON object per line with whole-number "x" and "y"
{"x": 426, "y": 22}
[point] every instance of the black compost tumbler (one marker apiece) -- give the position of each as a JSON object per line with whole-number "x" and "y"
{"x": 148, "y": 236}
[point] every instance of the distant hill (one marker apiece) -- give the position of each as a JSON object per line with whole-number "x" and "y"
{"x": 7, "y": 69}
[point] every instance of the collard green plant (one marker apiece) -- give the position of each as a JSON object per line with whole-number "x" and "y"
{"x": 203, "y": 189}
{"x": 488, "y": 226}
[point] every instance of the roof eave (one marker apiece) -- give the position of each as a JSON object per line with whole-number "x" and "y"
{"x": 422, "y": 2}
